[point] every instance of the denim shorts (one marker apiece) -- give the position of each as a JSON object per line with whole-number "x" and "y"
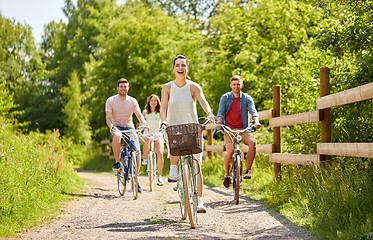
{"x": 135, "y": 141}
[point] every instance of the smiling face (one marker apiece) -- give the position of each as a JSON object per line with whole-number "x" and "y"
{"x": 181, "y": 68}
{"x": 236, "y": 86}
{"x": 153, "y": 102}
{"x": 123, "y": 89}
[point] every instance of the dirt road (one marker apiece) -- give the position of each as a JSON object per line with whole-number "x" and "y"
{"x": 100, "y": 213}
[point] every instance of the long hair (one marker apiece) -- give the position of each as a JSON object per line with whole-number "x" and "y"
{"x": 181, "y": 57}
{"x": 147, "y": 105}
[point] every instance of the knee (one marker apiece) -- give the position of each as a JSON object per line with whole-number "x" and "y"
{"x": 229, "y": 151}
{"x": 252, "y": 144}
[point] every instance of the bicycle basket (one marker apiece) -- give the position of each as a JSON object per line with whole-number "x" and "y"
{"x": 184, "y": 139}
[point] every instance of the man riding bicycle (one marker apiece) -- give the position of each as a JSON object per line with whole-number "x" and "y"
{"x": 234, "y": 108}
{"x": 119, "y": 109}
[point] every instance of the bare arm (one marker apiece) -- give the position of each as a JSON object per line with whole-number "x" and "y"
{"x": 165, "y": 97}
{"x": 140, "y": 117}
{"x": 198, "y": 93}
{"x": 109, "y": 120}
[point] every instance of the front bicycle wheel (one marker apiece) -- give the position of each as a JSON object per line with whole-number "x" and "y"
{"x": 180, "y": 189}
{"x": 151, "y": 167}
{"x": 192, "y": 187}
{"x": 236, "y": 178}
{"x": 121, "y": 180}
{"x": 134, "y": 178}
{"x": 187, "y": 177}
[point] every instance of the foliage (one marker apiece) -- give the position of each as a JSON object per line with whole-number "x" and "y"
{"x": 77, "y": 119}
{"x": 143, "y": 57}
{"x": 36, "y": 175}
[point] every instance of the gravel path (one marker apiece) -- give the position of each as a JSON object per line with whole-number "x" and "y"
{"x": 100, "y": 213}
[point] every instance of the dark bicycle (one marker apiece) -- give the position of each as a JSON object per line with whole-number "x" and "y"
{"x": 236, "y": 168}
{"x": 128, "y": 170}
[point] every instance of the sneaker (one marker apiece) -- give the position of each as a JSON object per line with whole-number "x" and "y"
{"x": 173, "y": 174}
{"x": 116, "y": 166}
{"x": 144, "y": 162}
{"x": 159, "y": 181}
{"x": 139, "y": 188}
{"x": 227, "y": 182}
{"x": 247, "y": 174}
{"x": 200, "y": 207}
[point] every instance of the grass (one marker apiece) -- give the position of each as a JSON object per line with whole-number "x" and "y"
{"x": 332, "y": 202}
{"x": 35, "y": 179}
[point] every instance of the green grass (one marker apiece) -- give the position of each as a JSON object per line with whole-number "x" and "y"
{"x": 332, "y": 202}
{"x": 35, "y": 178}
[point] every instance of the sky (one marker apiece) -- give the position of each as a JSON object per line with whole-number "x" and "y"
{"x": 35, "y": 13}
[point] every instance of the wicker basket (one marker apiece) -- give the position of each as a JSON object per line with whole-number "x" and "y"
{"x": 184, "y": 139}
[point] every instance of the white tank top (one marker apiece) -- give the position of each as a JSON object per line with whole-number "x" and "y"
{"x": 181, "y": 106}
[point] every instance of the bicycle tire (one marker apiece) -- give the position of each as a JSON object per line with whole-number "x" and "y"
{"x": 134, "y": 178}
{"x": 121, "y": 182}
{"x": 192, "y": 183}
{"x": 187, "y": 200}
{"x": 150, "y": 170}
{"x": 236, "y": 179}
{"x": 180, "y": 189}
{"x": 122, "y": 174}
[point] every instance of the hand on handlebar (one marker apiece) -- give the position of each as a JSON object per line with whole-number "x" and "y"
{"x": 257, "y": 125}
{"x": 143, "y": 127}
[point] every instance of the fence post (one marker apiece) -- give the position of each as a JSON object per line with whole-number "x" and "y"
{"x": 276, "y": 89}
{"x": 209, "y": 142}
{"x": 325, "y": 119}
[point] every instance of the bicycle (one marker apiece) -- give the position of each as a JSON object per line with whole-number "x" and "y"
{"x": 184, "y": 140}
{"x": 236, "y": 168}
{"x": 151, "y": 160}
{"x": 128, "y": 162}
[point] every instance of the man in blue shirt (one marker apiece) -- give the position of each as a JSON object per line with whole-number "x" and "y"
{"x": 233, "y": 111}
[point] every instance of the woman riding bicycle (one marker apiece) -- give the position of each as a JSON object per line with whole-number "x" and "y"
{"x": 179, "y": 107}
{"x": 233, "y": 111}
{"x": 152, "y": 116}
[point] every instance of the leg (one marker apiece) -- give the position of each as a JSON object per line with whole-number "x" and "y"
{"x": 159, "y": 151}
{"x": 228, "y": 157}
{"x": 173, "y": 169}
{"x": 116, "y": 146}
{"x": 145, "y": 147}
{"x": 250, "y": 141}
{"x": 199, "y": 180}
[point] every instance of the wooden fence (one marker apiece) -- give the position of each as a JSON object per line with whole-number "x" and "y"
{"x": 322, "y": 114}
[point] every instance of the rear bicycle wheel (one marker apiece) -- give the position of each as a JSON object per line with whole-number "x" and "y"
{"x": 188, "y": 192}
{"x": 134, "y": 178}
{"x": 236, "y": 178}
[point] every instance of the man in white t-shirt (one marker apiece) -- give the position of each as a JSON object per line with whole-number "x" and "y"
{"x": 119, "y": 109}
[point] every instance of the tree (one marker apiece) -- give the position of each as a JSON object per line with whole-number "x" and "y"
{"x": 77, "y": 115}
{"x": 139, "y": 45}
